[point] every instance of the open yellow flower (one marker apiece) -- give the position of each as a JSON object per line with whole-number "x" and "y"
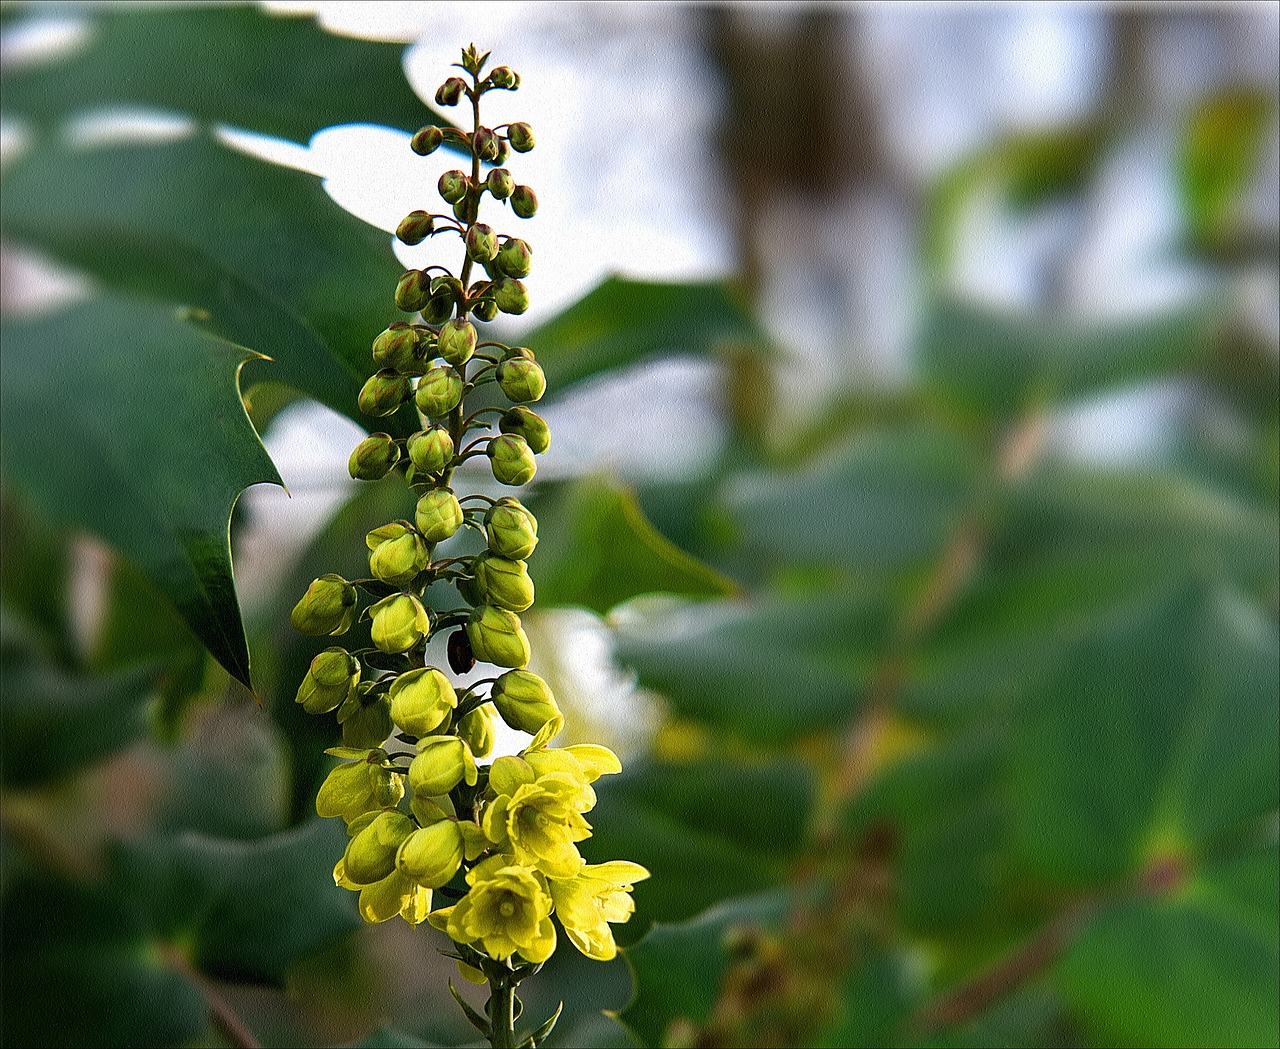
{"x": 538, "y": 818}
{"x": 506, "y": 912}
{"x": 588, "y": 903}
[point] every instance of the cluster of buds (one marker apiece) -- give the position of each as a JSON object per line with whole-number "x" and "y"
{"x": 427, "y": 823}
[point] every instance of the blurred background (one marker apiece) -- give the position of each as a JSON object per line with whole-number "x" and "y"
{"x": 909, "y": 528}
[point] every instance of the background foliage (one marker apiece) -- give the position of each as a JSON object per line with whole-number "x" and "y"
{"x": 963, "y": 742}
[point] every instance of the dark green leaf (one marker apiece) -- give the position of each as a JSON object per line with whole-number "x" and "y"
{"x": 879, "y": 992}
{"x": 596, "y": 549}
{"x": 623, "y": 322}
{"x": 278, "y": 74}
{"x": 390, "y": 1038}
{"x": 122, "y": 420}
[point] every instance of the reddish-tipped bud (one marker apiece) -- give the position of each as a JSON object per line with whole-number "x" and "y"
{"x": 520, "y": 136}
{"x": 511, "y": 459}
{"x": 411, "y": 291}
{"x": 500, "y": 183}
{"x": 439, "y": 391}
{"x": 431, "y": 450}
{"x": 505, "y": 77}
{"x": 426, "y": 140}
{"x": 485, "y": 310}
{"x": 510, "y": 295}
{"x": 373, "y": 458}
{"x": 482, "y": 243}
{"x": 529, "y": 425}
{"x": 521, "y": 379}
{"x": 415, "y": 227}
{"x": 451, "y": 91}
{"x": 524, "y": 202}
{"x": 383, "y": 393}
{"x": 485, "y": 143}
{"x": 515, "y": 257}
{"x": 457, "y": 341}
{"x": 396, "y": 347}
{"x": 453, "y": 186}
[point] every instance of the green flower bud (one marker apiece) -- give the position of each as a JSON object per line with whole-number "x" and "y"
{"x": 411, "y": 291}
{"x": 524, "y": 202}
{"x": 442, "y": 763}
{"x": 451, "y": 91}
{"x": 484, "y": 143}
{"x": 529, "y": 425}
{"x": 431, "y": 450}
{"x": 439, "y": 391}
{"x": 421, "y": 701}
{"x": 504, "y": 151}
{"x": 500, "y": 183}
{"x": 485, "y": 310}
{"x": 511, "y": 459}
{"x": 399, "y": 623}
{"x": 510, "y": 295}
{"x": 521, "y": 379}
{"x": 384, "y": 392}
{"x": 465, "y": 211}
{"x": 482, "y": 243}
{"x": 457, "y": 341}
{"x": 505, "y": 77}
{"x": 515, "y": 257}
{"x": 371, "y": 854}
{"x": 415, "y": 227}
{"x": 373, "y": 457}
{"x": 476, "y": 729}
{"x": 503, "y": 582}
{"x": 453, "y": 186}
{"x": 396, "y": 559}
{"x": 367, "y": 722}
{"x": 331, "y": 678}
{"x": 497, "y": 637}
{"x": 511, "y": 529}
{"x": 525, "y": 701}
{"x": 426, "y": 140}
{"x": 328, "y": 607}
{"x": 438, "y": 308}
{"x": 438, "y": 515}
{"x": 520, "y": 135}
{"x": 357, "y": 787}
{"x": 432, "y": 855}
{"x": 396, "y": 348}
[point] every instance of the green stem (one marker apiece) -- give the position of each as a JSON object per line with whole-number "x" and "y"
{"x": 502, "y": 1012}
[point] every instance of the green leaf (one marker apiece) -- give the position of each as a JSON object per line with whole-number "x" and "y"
{"x": 1003, "y": 363}
{"x": 771, "y": 670}
{"x": 278, "y": 74}
{"x": 241, "y": 910}
{"x": 1199, "y": 968}
{"x": 623, "y": 322}
{"x": 596, "y": 549}
{"x": 678, "y": 968}
{"x": 120, "y": 419}
{"x": 258, "y": 253}
{"x": 390, "y": 1038}
{"x": 1156, "y": 735}
{"x": 878, "y": 993}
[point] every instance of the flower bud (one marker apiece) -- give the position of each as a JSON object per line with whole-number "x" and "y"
{"x": 525, "y": 701}
{"x": 504, "y": 151}
{"x": 520, "y": 135}
{"x": 431, "y": 855}
{"x": 411, "y": 291}
{"x": 453, "y": 186}
{"x": 465, "y": 211}
{"x": 397, "y": 558}
{"x": 482, "y": 243}
{"x": 421, "y": 701}
{"x": 442, "y": 763}
{"x": 485, "y": 310}
{"x": 476, "y": 729}
{"x": 438, "y": 308}
{"x": 426, "y": 140}
{"x": 447, "y": 285}
{"x": 356, "y": 787}
{"x": 457, "y": 341}
{"x": 415, "y": 227}
{"x": 367, "y": 722}
{"x": 371, "y": 854}
{"x": 451, "y": 91}
{"x": 484, "y": 144}
{"x": 510, "y": 295}
{"x": 328, "y": 607}
{"x": 438, "y": 515}
{"x": 529, "y": 425}
{"x": 431, "y": 450}
{"x": 439, "y": 391}
{"x": 503, "y": 582}
{"x": 511, "y": 529}
{"x": 373, "y": 457}
{"x": 399, "y": 623}
{"x": 500, "y": 183}
{"x": 521, "y": 379}
{"x": 396, "y": 347}
{"x": 331, "y": 678}
{"x": 511, "y": 459}
{"x": 497, "y": 637}
{"x": 383, "y": 393}
{"x": 515, "y": 257}
{"x": 505, "y": 77}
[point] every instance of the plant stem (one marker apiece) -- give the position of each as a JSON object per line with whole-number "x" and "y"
{"x": 502, "y": 1011}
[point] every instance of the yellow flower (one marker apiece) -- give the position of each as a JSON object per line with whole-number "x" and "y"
{"x": 538, "y": 818}
{"x": 586, "y": 904}
{"x": 507, "y": 911}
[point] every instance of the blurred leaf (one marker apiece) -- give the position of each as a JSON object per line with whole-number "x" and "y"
{"x": 1200, "y": 968}
{"x": 149, "y": 449}
{"x": 879, "y": 503}
{"x": 678, "y": 968}
{"x": 35, "y": 580}
{"x": 277, "y": 74}
{"x": 241, "y": 910}
{"x": 769, "y": 670}
{"x": 596, "y": 549}
{"x": 1033, "y": 1017}
{"x": 623, "y": 322}
{"x": 390, "y": 1038}
{"x": 1003, "y": 363}
{"x": 1157, "y": 732}
{"x": 1222, "y": 147}
{"x": 258, "y": 253}
{"x": 881, "y": 989}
